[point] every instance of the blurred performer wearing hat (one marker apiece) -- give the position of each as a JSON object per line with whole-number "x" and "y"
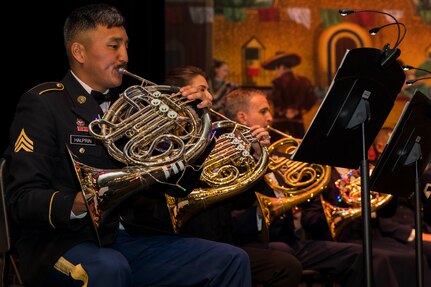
{"x": 292, "y": 94}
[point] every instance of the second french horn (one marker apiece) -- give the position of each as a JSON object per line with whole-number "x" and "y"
{"x": 230, "y": 168}
{"x": 298, "y": 181}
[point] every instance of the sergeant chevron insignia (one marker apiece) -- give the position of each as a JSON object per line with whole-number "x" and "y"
{"x": 23, "y": 142}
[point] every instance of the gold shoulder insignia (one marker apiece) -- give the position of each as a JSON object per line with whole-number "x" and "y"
{"x": 48, "y": 87}
{"x": 77, "y": 272}
{"x": 23, "y": 142}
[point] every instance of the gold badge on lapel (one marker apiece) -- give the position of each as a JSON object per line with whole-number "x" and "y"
{"x": 23, "y": 142}
{"x": 81, "y": 99}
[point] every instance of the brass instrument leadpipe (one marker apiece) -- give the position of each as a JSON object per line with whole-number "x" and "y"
{"x": 219, "y": 114}
{"x": 278, "y": 132}
{"x": 267, "y": 127}
{"x": 125, "y": 72}
{"x": 145, "y": 81}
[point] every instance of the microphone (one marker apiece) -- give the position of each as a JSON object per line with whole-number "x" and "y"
{"x": 389, "y": 54}
{"x": 411, "y": 82}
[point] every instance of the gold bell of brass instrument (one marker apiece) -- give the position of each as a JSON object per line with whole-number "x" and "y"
{"x": 301, "y": 181}
{"x": 350, "y": 193}
{"x": 229, "y": 169}
{"x": 154, "y": 131}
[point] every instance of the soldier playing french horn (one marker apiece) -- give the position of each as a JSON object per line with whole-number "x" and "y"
{"x": 62, "y": 221}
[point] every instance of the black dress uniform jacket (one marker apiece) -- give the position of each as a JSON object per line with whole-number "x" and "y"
{"x": 43, "y": 183}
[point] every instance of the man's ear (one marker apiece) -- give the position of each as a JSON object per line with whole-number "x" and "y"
{"x": 77, "y": 51}
{"x": 241, "y": 118}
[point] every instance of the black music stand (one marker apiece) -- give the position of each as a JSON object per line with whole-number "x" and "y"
{"x": 404, "y": 160}
{"x": 353, "y": 111}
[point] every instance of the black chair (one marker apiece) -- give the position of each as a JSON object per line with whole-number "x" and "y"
{"x": 314, "y": 278}
{"x": 9, "y": 273}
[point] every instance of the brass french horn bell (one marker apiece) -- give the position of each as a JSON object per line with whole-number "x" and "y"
{"x": 230, "y": 169}
{"x": 350, "y": 191}
{"x": 300, "y": 181}
{"x": 154, "y": 131}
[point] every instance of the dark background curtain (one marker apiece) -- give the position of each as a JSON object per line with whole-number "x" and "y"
{"x": 33, "y": 50}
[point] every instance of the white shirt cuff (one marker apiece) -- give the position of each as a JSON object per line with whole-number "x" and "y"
{"x": 73, "y": 216}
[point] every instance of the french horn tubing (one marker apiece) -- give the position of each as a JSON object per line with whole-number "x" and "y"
{"x": 230, "y": 168}
{"x": 350, "y": 192}
{"x": 300, "y": 181}
{"x": 154, "y": 131}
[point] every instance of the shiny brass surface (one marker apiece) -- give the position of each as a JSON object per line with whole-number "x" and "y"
{"x": 236, "y": 162}
{"x": 154, "y": 131}
{"x": 349, "y": 186}
{"x": 296, "y": 181}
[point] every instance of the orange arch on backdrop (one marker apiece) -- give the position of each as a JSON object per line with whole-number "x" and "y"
{"x": 328, "y": 60}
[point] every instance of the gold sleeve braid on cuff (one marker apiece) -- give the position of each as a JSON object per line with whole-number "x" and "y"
{"x": 50, "y": 209}
{"x": 77, "y": 272}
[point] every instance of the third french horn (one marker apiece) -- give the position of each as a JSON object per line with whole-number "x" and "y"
{"x": 299, "y": 181}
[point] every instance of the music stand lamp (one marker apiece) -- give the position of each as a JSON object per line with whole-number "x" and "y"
{"x": 353, "y": 111}
{"x": 404, "y": 160}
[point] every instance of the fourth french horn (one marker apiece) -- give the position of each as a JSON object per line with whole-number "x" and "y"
{"x": 349, "y": 186}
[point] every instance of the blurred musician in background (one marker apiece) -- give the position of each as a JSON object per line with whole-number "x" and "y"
{"x": 218, "y": 84}
{"x": 342, "y": 261}
{"x": 392, "y": 232}
{"x": 269, "y": 267}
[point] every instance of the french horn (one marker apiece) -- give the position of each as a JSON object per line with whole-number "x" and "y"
{"x": 349, "y": 186}
{"x": 230, "y": 168}
{"x": 300, "y": 181}
{"x": 154, "y": 131}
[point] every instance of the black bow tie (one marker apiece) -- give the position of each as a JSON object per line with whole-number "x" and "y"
{"x": 100, "y": 97}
